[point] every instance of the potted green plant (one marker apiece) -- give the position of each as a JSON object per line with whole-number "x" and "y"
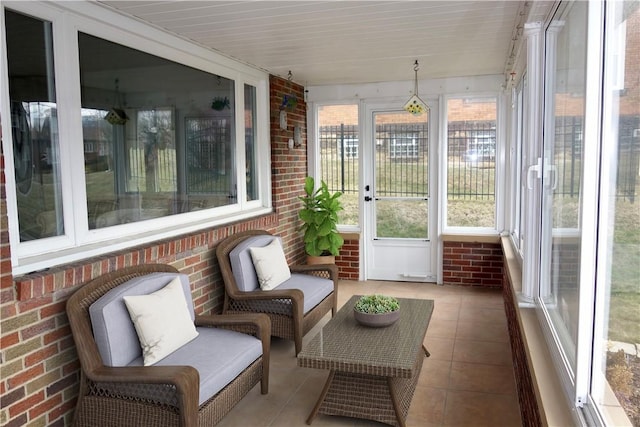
{"x": 319, "y": 215}
{"x": 376, "y": 310}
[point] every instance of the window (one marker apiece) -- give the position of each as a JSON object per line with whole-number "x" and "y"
{"x": 471, "y": 162}
{"x": 34, "y": 127}
{"x": 339, "y": 141}
{"x": 251, "y": 150}
{"x": 588, "y": 294}
{"x": 616, "y": 366}
{"x": 152, "y": 149}
{"x": 562, "y": 229}
{"x": 517, "y": 189}
{"x": 138, "y": 147}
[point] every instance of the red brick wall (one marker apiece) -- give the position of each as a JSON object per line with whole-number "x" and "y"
{"x": 40, "y": 370}
{"x": 529, "y": 411}
{"x": 348, "y": 261}
{"x": 472, "y": 264}
{"x": 288, "y": 166}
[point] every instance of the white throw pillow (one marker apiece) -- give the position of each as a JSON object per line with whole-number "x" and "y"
{"x": 162, "y": 321}
{"x": 270, "y": 264}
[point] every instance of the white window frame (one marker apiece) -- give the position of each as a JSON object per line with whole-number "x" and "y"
{"x": 515, "y": 165}
{"x": 79, "y": 242}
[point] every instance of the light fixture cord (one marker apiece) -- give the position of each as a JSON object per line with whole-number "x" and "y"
{"x": 416, "y": 67}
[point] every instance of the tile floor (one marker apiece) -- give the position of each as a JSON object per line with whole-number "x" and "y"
{"x": 467, "y": 381}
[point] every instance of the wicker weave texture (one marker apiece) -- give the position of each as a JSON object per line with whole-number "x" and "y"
{"x": 149, "y": 396}
{"x": 369, "y": 380}
{"x": 277, "y": 304}
{"x": 212, "y": 411}
{"x": 345, "y": 345}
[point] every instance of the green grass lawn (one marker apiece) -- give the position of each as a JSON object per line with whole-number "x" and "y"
{"x": 624, "y": 315}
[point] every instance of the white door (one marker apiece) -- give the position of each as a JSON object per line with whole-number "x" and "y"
{"x": 398, "y": 210}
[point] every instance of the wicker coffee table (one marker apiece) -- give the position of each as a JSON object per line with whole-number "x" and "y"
{"x": 373, "y": 371}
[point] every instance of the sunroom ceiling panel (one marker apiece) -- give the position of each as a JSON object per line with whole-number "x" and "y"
{"x": 333, "y": 42}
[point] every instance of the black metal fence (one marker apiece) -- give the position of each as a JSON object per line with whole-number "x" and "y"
{"x": 471, "y": 156}
{"x": 402, "y": 160}
{"x": 339, "y": 153}
{"x": 471, "y": 160}
{"x": 568, "y": 156}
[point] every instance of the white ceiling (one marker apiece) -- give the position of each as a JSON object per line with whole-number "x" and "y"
{"x": 338, "y": 42}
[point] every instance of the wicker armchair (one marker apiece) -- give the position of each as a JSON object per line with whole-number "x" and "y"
{"x": 154, "y": 395}
{"x": 290, "y": 322}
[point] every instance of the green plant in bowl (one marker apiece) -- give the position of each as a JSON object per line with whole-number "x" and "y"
{"x": 376, "y": 310}
{"x": 377, "y": 304}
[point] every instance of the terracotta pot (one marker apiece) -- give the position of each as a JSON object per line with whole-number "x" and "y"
{"x": 323, "y": 259}
{"x": 376, "y": 320}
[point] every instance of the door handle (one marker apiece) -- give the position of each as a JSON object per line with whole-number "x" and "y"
{"x": 537, "y": 169}
{"x": 367, "y": 198}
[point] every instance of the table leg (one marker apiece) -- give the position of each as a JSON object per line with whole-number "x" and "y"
{"x": 315, "y": 410}
{"x": 396, "y": 404}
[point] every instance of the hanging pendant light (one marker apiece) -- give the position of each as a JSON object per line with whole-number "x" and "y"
{"x": 415, "y": 105}
{"x": 117, "y": 116}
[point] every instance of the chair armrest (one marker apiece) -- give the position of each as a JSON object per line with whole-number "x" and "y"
{"x": 293, "y": 294}
{"x": 259, "y": 321}
{"x": 328, "y": 269}
{"x": 185, "y": 379}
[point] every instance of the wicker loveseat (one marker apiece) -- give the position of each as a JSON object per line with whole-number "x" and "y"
{"x": 294, "y": 307}
{"x": 195, "y": 385}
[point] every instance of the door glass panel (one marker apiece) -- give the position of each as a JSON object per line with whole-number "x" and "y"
{"x": 34, "y": 126}
{"x": 399, "y": 218}
{"x": 339, "y": 156}
{"x": 401, "y": 175}
{"x": 561, "y": 201}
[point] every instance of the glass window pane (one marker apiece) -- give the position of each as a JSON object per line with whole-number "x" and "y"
{"x": 561, "y": 201}
{"x": 617, "y": 368}
{"x": 250, "y": 147}
{"x": 34, "y": 126}
{"x": 339, "y": 154}
{"x": 158, "y": 136}
{"x": 471, "y": 162}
